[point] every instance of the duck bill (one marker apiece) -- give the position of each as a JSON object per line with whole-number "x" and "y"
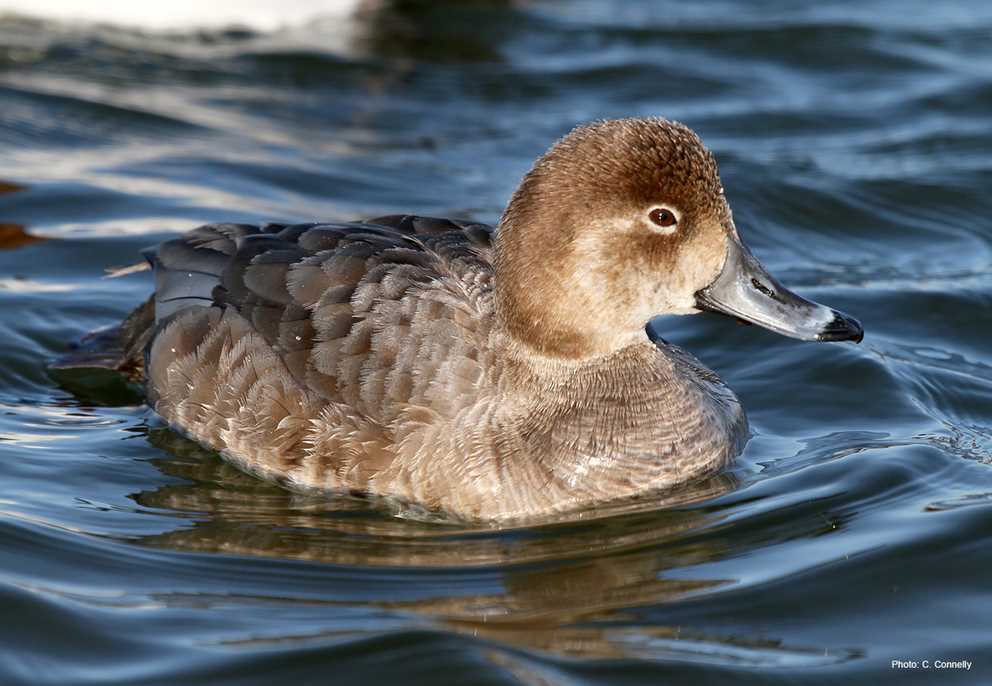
{"x": 745, "y": 291}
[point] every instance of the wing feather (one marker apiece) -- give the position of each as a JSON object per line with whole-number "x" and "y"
{"x": 371, "y": 315}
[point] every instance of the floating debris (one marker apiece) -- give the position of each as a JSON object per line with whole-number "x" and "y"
{"x": 8, "y": 187}
{"x": 13, "y": 236}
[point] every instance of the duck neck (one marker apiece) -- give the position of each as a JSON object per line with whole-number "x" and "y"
{"x": 548, "y": 302}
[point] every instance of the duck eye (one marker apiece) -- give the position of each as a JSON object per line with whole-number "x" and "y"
{"x": 662, "y": 217}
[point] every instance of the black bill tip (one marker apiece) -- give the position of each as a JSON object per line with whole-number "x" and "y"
{"x": 842, "y": 328}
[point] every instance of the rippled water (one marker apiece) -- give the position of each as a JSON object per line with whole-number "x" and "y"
{"x": 855, "y": 145}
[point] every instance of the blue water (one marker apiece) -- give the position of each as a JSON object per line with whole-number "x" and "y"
{"x": 855, "y": 146}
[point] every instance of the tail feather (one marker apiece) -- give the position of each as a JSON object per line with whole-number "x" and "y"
{"x": 119, "y": 348}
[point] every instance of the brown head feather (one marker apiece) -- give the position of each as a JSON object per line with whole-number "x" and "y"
{"x": 575, "y": 257}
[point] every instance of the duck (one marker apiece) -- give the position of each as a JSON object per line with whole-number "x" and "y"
{"x": 491, "y": 374}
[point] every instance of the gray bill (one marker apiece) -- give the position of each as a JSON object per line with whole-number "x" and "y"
{"x": 746, "y": 291}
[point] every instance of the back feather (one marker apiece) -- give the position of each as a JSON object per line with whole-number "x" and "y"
{"x": 374, "y": 316}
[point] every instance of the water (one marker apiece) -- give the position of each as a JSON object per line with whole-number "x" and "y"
{"x": 856, "y": 149}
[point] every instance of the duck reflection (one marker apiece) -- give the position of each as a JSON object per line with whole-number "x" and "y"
{"x": 568, "y": 588}
{"x": 584, "y": 587}
{"x": 360, "y": 531}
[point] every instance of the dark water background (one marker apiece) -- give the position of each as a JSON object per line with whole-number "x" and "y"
{"x": 855, "y": 143}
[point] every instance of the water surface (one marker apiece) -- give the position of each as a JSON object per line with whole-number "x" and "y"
{"x": 855, "y": 146}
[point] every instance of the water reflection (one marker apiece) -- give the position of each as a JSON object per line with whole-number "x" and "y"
{"x": 544, "y": 576}
{"x": 355, "y": 531}
{"x": 572, "y": 588}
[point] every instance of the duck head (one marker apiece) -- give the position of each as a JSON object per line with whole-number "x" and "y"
{"x": 624, "y": 220}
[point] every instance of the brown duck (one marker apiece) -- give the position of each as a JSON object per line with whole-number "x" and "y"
{"x": 492, "y": 374}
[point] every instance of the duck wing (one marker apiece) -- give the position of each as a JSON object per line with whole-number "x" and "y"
{"x": 254, "y": 325}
